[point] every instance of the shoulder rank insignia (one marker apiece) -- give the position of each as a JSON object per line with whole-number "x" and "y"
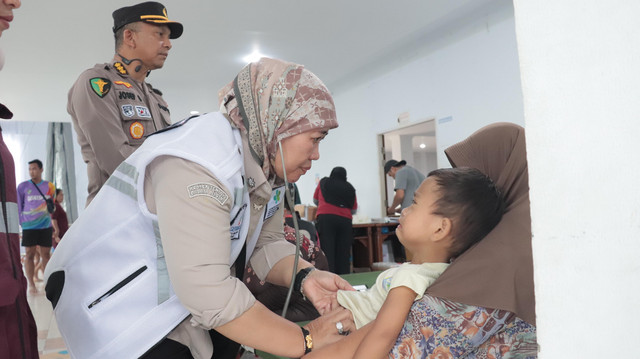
{"x": 120, "y": 67}
{"x": 125, "y": 84}
{"x": 100, "y": 86}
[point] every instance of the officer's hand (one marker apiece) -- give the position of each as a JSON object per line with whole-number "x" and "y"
{"x": 321, "y": 287}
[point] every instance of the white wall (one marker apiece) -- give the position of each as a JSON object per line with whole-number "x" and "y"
{"x": 581, "y": 74}
{"x": 475, "y": 79}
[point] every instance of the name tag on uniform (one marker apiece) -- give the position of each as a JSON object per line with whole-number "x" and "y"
{"x": 277, "y": 196}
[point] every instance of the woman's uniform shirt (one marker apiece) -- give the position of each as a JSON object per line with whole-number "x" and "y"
{"x": 203, "y": 284}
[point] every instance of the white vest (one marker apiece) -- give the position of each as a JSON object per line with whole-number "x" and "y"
{"x": 117, "y": 301}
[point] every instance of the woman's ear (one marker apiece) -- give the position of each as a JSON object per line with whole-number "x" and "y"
{"x": 444, "y": 229}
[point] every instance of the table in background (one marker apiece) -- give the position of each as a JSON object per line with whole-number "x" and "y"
{"x": 366, "y": 278}
{"x": 368, "y": 238}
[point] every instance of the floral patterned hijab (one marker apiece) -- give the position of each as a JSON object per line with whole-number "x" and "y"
{"x": 496, "y": 273}
{"x": 271, "y": 100}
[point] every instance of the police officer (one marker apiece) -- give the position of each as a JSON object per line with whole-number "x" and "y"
{"x": 112, "y": 107}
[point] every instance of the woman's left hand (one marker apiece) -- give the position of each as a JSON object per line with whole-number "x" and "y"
{"x": 321, "y": 288}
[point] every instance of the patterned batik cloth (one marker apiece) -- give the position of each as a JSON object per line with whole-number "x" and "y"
{"x": 442, "y": 329}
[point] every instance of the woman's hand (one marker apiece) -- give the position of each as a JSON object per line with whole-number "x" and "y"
{"x": 324, "y": 329}
{"x": 321, "y": 287}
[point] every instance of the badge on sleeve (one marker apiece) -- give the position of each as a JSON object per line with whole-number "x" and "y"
{"x": 136, "y": 130}
{"x": 208, "y": 190}
{"x": 100, "y": 86}
{"x": 274, "y": 202}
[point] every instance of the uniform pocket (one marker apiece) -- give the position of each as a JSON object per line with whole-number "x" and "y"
{"x": 117, "y": 287}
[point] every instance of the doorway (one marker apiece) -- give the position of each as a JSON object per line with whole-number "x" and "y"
{"x": 414, "y": 143}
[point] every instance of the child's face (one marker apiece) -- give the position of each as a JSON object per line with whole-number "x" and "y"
{"x": 417, "y": 222}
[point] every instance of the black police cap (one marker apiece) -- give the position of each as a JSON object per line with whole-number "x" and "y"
{"x": 151, "y": 12}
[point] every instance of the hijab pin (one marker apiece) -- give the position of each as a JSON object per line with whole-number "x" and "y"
{"x": 251, "y": 182}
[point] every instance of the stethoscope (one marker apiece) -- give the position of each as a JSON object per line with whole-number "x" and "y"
{"x": 289, "y": 198}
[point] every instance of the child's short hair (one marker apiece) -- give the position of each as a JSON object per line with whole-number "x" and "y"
{"x": 471, "y": 200}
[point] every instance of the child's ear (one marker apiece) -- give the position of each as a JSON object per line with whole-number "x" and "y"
{"x": 444, "y": 230}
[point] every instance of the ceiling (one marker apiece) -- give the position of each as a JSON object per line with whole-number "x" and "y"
{"x": 344, "y": 42}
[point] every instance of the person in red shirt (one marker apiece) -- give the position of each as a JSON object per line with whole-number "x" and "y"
{"x": 336, "y": 201}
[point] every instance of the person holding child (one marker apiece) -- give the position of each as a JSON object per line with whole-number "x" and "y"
{"x": 452, "y": 210}
{"x": 483, "y": 305}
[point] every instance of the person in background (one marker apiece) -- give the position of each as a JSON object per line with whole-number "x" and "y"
{"x": 35, "y": 219}
{"x": 37, "y": 265}
{"x": 112, "y": 108}
{"x": 59, "y": 219}
{"x": 19, "y": 337}
{"x": 407, "y": 180}
{"x": 336, "y": 201}
{"x": 296, "y": 197}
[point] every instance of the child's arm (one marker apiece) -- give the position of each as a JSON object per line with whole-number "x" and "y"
{"x": 385, "y": 328}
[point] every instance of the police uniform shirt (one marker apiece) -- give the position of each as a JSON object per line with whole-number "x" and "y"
{"x": 196, "y": 240}
{"x": 112, "y": 113}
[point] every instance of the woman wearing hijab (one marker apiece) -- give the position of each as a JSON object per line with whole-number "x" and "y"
{"x": 486, "y": 294}
{"x": 187, "y": 211}
{"x": 336, "y": 201}
{"x": 483, "y": 304}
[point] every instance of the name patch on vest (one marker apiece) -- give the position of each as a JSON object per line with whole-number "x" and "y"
{"x": 208, "y": 190}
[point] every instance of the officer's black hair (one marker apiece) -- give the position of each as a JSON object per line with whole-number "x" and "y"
{"x": 119, "y": 35}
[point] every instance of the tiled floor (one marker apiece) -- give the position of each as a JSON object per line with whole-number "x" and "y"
{"x": 50, "y": 343}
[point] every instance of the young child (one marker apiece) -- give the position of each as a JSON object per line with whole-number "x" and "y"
{"x": 452, "y": 210}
